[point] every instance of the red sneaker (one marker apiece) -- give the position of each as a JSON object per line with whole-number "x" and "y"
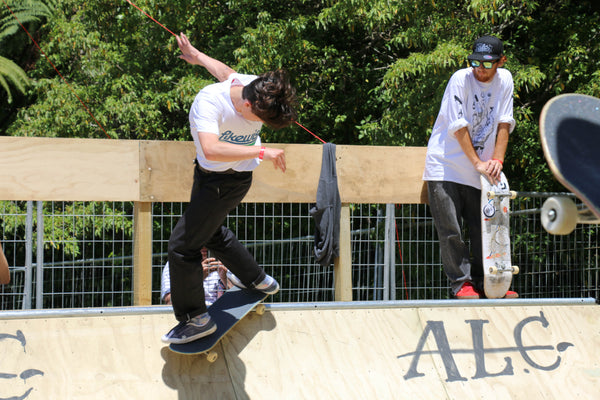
{"x": 511, "y": 295}
{"x": 466, "y": 292}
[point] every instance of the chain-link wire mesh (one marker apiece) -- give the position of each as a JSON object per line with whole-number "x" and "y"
{"x": 80, "y": 254}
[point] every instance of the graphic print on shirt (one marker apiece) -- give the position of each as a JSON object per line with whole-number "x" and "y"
{"x": 244, "y": 140}
{"x": 459, "y": 106}
{"x": 483, "y": 119}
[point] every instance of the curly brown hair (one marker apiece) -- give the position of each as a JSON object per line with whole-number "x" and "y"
{"x": 273, "y": 98}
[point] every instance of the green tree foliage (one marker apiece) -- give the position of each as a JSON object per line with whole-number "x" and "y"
{"x": 367, "y": 71}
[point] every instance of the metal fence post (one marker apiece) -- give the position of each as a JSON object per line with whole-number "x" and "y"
{"x": 39, "y": 263}
{"x": 390, "y": 253}
{"x": 28, "y": 285}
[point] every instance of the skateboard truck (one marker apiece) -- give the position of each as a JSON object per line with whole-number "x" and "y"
{"x": 496, "y": 269}
{"x": 510, "y": 193}
{"x": 489, "y": 210}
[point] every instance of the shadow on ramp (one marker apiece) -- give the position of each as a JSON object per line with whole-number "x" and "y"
{"x": 194, "y": 377}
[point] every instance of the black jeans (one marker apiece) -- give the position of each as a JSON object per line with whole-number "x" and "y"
{"x": 214, "y": 195}
{"x": 451, "y": 203}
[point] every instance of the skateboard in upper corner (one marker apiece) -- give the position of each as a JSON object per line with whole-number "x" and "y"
{"x": 495, "y": 237}
{"x": 570, "y": 136}
{"x": 227, "y": 311}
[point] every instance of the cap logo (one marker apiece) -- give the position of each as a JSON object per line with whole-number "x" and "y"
{"x": 483, "y": 48}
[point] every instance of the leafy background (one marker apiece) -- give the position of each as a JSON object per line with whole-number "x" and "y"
{"x": 368, "y": 72}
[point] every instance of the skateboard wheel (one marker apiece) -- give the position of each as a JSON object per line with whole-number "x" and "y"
{"x": 513, "y": 194}
{"x": 493, "y": 269}
{"x": 260, "y": 309}
{"x": 491, "y": 194}
{"x": 559, "y": 215}
{"x": 515, "y": 269}
{"x": 212, "y": 356}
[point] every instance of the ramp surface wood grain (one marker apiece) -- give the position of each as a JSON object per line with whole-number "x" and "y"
{"x": 491, "y": 352}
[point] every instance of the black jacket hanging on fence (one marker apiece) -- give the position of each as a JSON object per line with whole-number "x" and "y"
{"x": 327, "y": 211}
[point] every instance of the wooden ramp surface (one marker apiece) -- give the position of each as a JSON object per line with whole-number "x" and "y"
{"x": 484, "y": 352}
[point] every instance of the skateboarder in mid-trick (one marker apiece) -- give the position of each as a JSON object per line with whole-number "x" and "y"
{"x": 469, "y": 138}
{"x": 225, "y": 120}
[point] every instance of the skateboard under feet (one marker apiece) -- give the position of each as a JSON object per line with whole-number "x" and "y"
{"x": 227, "y": 311}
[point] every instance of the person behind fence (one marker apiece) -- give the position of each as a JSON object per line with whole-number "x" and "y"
{"x": 215, "y": 280}
{"x": 4, "y": 272}
{"x": 469, "y": 138}
{"x": 225, "y": 121}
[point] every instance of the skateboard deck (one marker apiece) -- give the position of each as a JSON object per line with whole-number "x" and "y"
{"x": 570, "y": 137}
{"x": 495, "y": 237}
{"x": 227, "y": 311}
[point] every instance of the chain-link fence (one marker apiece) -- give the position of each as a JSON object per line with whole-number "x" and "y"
{"x": 79, "y": 254}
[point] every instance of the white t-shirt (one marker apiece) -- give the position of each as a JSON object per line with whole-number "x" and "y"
{"x": 213, "y": 112}
{"x": 478, "y": 106}
{"x": 165, "y": 282}
{"x": 213, "y": 286}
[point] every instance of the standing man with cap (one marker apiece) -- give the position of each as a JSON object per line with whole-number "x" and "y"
{"x": 469, "y": 138}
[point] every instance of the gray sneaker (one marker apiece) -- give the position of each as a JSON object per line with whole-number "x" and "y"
{"x": 268, "y": 285}
{"x": 194, "y": 329}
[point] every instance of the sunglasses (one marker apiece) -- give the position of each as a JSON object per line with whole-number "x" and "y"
{"x": 486, "y": 64}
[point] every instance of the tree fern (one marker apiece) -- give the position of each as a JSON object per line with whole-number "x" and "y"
{"x": 12, "y": 73}
{"x": 13, "y": 12}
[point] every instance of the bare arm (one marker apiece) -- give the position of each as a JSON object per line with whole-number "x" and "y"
{"x": 4, "y": 272}
{"x": 196, "y": 57}
{"x": 501, "y": 141}
{"x": 215, "y": 150}
{"x": 490, "y": 168}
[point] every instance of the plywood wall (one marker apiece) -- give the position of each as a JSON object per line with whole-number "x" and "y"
{"x": 161, "y": 171}
{"x": 481, "y": 352}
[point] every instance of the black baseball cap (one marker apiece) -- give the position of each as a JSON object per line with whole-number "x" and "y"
{"x": 487, "y": 48}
